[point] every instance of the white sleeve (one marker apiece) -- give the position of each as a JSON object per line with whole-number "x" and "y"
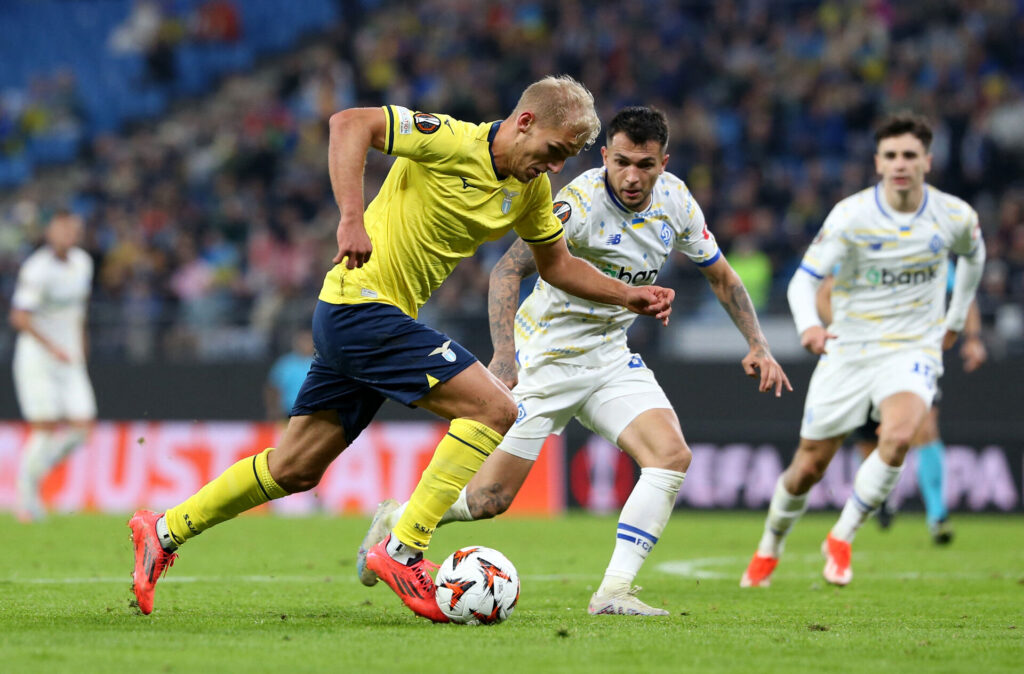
{"x": 968, "y": 275}
{"x": 28, "y": 293}
{"x": 696, "y": 241}
{"x": 802, "y": 293}
{"x": 830, "y": 245}
{"x": 824, "y": 253}
{"x": 969, "y": 236}
{"x": 570, "y": 209}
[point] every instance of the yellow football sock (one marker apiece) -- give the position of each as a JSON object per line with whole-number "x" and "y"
{"x": 242, "y": 486}
{"x": 457, "y": 458}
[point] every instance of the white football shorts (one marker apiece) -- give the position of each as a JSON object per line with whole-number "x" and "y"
{"x": 49, "y": 390}
{"x": 604, "y": 399}
{"x": 842, "y": 390}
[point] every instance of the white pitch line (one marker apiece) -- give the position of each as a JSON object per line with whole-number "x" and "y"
{"x": 703, "y": 568}
{"x": 700, "y": 568}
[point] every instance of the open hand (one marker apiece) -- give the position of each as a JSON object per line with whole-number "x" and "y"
{"x": 760, "y": 362}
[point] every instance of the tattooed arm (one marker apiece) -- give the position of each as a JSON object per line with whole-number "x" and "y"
{"x": 502, "y": 301}
{"x": 732, "y": 294}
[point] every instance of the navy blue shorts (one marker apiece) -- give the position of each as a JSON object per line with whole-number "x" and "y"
{"x": 368, "y": 352}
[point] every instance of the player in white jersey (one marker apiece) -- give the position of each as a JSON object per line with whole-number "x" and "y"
{"x": 48, "y": 311}
{"x": 927, "y": 442}
{"x": 889, "y": 245}
{"x": 570, "y": 357}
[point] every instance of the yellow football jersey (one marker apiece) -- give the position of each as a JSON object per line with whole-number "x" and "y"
{"x": 442, "y": 198}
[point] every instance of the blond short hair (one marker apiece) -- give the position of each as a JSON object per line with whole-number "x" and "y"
{"x": 561, "y": 101}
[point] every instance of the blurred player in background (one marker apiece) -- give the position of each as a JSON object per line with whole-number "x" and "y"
{"x": 891, "y": 243}
{"x": 48, "y": 311}
{"x": 287, "y": 374}
{"x": 454, "y": 186}
{"x": 567, "y": 357}
{"x": 931, "y": 450}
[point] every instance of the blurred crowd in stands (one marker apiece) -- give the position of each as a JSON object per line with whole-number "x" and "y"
{"x": 212, "y": 224}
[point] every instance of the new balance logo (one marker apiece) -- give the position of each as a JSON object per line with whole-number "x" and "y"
{"x": 614, "y": 240}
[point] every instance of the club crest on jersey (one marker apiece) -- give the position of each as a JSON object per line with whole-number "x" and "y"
{"x": 506, "y": 203}
{"x": 445, "y": 352}
{"x": 636, "y": 361}
{"x": 935, "y": 245}
{"x": 426, "y": 123}
{"x": 666, "y": 234}
{"x": 562, "y": 211}
{"x": 522, "y": 413}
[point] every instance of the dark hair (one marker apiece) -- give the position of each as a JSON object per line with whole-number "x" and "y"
{"x": 641, "y": 125}
{"x": 903, "y": 122}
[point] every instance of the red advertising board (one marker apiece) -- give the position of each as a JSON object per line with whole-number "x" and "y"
{"x": 132, "y": 464}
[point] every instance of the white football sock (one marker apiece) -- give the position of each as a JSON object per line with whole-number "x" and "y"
{"x": 163, "y": 532}
{"x": 783, "y": 512}
{"x": 400, "y": 552}
{"x": 874, "y": 480}
{"x": 64, "y": 444}
{"x": 392, "y": 518}
{"x": 33, "y": 468}
{"x": 643, "y": 518}
{"x": 459, "y": 512}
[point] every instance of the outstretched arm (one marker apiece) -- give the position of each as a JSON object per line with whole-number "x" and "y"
{"x": 733, "y": 296}
{"x": 578, "y": 277}
{"x": 502, "y": 301}
{"x": 352, "y": 133}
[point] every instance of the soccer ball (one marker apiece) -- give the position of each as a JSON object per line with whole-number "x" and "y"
{"x": 477, "y": 586}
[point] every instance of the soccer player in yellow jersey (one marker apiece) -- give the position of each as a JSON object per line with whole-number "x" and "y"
{"x": 453, "y": 186}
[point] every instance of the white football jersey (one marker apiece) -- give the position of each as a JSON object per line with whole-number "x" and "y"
{"x": 56, "y": 293}
{"x": 630, "y": 246}
{"x": 891, "y": 268}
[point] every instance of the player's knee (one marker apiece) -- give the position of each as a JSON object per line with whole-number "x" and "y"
{"x": 897, "y": 436}
{"x": 805, "y": 472}
{"x": 294, "y": 479}
{"x": 487, "y": 502}
{"x": 676, "y": 457}
{"x": 504, "y": 415}
{"x": 682, "y": 459}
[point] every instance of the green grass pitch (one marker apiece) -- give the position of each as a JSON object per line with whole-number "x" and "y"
{"x": 264, "y": 594}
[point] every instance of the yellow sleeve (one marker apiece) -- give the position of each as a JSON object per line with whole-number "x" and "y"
{"x": 424, "y": 137}
{"x": 538, "y": 223}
